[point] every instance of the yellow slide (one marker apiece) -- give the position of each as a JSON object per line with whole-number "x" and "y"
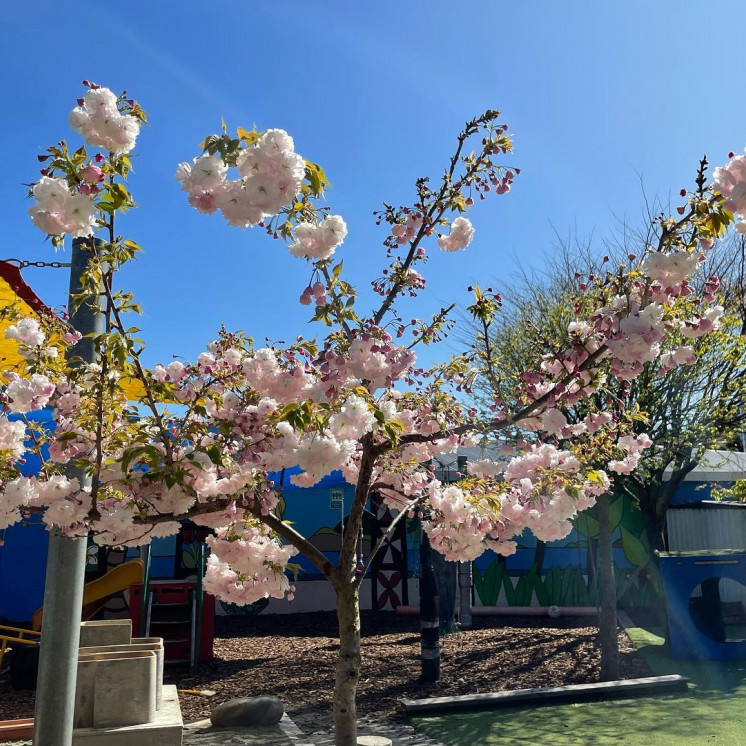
{"x": 98, "y": 592}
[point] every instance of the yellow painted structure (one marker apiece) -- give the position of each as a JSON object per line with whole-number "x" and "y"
{"x": 95, "y": 595}
{"x": 15, "y": 292}
{"x": 98, "y": 592}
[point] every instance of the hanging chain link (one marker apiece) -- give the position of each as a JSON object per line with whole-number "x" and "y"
{"x": 23, "y": 263}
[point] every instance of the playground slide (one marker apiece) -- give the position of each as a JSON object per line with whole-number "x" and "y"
{"x": 98, "y": 592}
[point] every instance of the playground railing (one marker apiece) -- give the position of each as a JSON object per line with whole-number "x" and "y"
{"x": 16, "y": 635}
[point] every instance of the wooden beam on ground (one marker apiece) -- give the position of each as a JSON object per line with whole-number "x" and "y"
{"x": 549, "y": 694}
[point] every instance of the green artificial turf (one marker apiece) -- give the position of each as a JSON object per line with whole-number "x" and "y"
{"x": 711, "y": 713}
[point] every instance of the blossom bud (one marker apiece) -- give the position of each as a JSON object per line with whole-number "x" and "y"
{"x": 92, "y": 174}
{"x": 306, "y": 297}
{"x": 318, "y": 290}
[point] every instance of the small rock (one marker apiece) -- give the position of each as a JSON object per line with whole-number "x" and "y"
{"x": 248, "y": 711}
{"x": 373, "y": 741}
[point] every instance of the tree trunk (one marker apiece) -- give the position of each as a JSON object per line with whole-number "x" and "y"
{"x": 348, "y": 666}
{"x": 653, "y": 523}
{"x": 607, "y": 622}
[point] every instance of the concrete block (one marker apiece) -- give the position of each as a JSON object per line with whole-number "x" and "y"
{"x": 106, "y": 632}
{"x": 154, "y": 644}
{"x": 115, "y": 689}
{"x": 165, "y": 730}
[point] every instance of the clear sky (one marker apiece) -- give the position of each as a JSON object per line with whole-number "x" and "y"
{"x": 599, "y": 96}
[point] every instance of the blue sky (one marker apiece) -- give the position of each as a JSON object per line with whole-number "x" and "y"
{"x": 599, "y": 96}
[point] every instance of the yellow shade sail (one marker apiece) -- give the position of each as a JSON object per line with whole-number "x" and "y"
{"x": 15, "y": 292}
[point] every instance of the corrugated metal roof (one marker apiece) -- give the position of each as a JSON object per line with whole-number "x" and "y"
{"x": 706, "y": 526}
{"x": 716, "y": 466}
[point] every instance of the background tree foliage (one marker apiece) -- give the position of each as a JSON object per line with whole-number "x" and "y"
{"x": 691, "y": 410}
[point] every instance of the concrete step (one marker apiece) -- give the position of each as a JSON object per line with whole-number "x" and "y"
{"x": 165, "y": 730}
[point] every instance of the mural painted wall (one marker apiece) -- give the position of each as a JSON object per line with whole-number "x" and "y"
{"x": 559, "y": 573}
{"x": 563, "y": 573}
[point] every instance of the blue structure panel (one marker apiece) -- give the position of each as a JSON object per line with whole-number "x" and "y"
{"x": 682, "y": 572}
{"x": 23, "y": 562}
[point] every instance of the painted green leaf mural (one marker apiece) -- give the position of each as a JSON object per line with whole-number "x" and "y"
{"x": 509, "y": 590}
{"x": 586, "y": 524}
{"x": 633, "y": 519}
{"x": 635, "y": 550}
{"x": 616, "y": 510}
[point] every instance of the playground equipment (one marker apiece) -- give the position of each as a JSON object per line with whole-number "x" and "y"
{"x": 98, "y": 592}
{"x": 16, "y": 636}
{"x": 119, "y": 693}
{"x": 702, "y": 623}
{"x": 95, "y": 596}
{"x": 178, "y": 611}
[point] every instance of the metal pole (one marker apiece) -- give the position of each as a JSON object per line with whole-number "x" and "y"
{"x": 63, "y": 590}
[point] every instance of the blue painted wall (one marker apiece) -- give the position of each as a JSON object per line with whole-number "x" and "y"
{"x": 316, "y": 513}
{"x": 23, "y": 552}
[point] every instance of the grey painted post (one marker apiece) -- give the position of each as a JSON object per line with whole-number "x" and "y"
{"x": 429, "y": 626}
{"x": 464, "y": 571}
{"x": 447, "y": 580}
{"x": 464, "y": 589}
{"x": 63, "y": 590}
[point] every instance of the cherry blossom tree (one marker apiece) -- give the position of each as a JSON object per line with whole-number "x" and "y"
{"x": 690, "y": 399}
{"x": 201, "y": 437}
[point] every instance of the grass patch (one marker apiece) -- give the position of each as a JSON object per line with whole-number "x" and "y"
{"x": 712, "y": 712}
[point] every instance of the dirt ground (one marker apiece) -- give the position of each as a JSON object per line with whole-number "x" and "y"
{"x": 292, "y": 656}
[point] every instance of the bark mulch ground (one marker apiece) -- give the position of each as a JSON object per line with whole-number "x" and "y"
{"x": 292, "y": 656}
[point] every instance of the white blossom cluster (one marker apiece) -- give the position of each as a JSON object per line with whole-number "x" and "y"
{"x": 56, "y": 210}
{"x": 461, "y": 235}
{"x": 270, "y": 176}
{"x": 730, "y": 181}
{"x": 102, "y": 125}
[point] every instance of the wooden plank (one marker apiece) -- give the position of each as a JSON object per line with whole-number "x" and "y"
{"x": 548, "y": 694}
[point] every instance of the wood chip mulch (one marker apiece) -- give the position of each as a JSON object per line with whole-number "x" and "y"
{"x": 292, "y": 656}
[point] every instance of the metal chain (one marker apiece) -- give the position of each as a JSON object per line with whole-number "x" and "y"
{"x": 23, "y": 263}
